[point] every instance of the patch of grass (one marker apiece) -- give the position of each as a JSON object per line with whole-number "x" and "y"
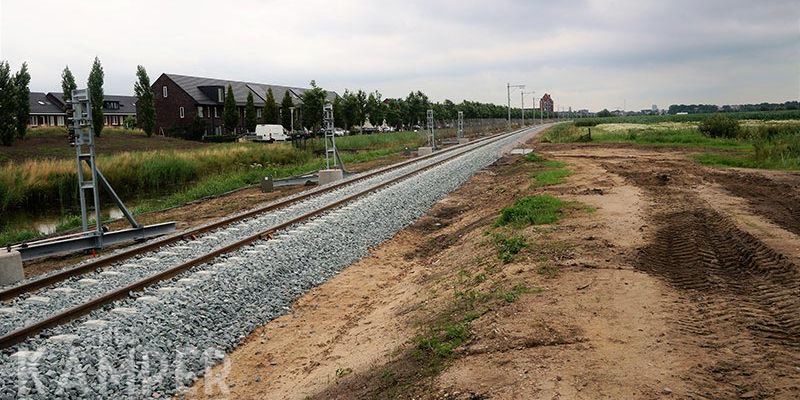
{"x": 13, "y": 237}
{"x": 533, "y": 157}
{"x": 437, "y": 345}
{"x": 532, "y": 210}
{"x": 512, "y": 295}
{"x": 551, "y": 177}
{"x": 508, "y": 246}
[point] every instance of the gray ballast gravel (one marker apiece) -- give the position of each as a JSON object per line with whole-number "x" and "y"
{"x": 160, "y": 341}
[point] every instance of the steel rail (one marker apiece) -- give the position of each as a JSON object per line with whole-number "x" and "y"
{"x": 18, "y": 335}
{"x": 37, "y": 283}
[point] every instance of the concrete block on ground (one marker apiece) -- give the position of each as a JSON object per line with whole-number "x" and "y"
{"x": 37, "y": 300}
{"x": 327, "y": 176}
{"x": 10, "y": 267}
{"x": 266, "y": 184}
{"x": 424, "y": 151}
{"x": 96, "y": 323}
{"x": 463, "y": 141}
{"x": 68, "y": 339}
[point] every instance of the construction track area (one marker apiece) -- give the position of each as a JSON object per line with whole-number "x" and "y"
{"x": 680, "y": 281}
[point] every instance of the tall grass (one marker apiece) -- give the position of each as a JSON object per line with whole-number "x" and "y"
{"x": 51, "y": 183}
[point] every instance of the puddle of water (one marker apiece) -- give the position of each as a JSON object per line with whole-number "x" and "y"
{"x": 46, "y": 224}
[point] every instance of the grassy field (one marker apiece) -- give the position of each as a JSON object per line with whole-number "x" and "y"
{"x": 650, "y": 119}
{"x": 51, "y": 142}
{"x": 766, "y": 144}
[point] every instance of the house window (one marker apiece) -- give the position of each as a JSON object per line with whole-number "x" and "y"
{"x": 164, "y": 89}
{"x": 180, "y": 111}
{"x": 220, "y": 94}
{"x": 200, "y": 111}
{"x": 258, "y": 113}
{"x": 216, "y": 113}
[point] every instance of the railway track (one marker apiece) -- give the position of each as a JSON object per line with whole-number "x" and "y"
{"x": 332, "y": 197}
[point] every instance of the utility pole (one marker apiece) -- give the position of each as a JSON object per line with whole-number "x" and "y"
{"x": 509, "y": 86}
{"x": 523, "y": 107}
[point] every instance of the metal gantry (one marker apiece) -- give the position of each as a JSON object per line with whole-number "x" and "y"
{"x": 81, "y": 135}
{"x": 431, "y": 131}
{"x": 460, "y": 131}
{"x": 509, "y": 86}
{"x": 331, "y": 153}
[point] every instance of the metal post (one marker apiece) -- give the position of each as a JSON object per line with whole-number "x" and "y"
{"x": 431, "y": 132}
{"x": 291, "y": 123}
{"x": 508, "y": 90}
{"x": 460, "y": 133}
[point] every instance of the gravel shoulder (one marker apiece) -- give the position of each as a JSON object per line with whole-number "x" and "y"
{"x": 613, "y": 310}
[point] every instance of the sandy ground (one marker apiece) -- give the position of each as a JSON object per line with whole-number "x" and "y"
{"x": 677, "y": 281}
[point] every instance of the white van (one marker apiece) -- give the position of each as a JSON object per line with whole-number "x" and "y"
{"x": 270, "y": 133}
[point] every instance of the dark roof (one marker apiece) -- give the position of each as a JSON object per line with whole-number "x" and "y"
{"x": 40, "y": 104}
{"x": 192, "y": 84}
{"x": 127, "y": 104}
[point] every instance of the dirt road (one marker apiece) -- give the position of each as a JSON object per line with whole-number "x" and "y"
{"x": 663, "y": 279}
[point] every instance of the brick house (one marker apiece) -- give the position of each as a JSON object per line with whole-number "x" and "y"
{"x": 188, "y": 102}
{"x": 546, "y": 103}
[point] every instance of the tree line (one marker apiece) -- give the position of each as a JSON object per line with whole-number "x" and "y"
{"x": 711, "y": 108}
{"x": 15, "y": 99}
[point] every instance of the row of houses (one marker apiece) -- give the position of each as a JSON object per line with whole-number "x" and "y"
{"x": 181, "y": 101}
{"x": 47, "y": 109}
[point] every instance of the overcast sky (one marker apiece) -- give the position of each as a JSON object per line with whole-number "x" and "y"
{"x": 588, "y": 54}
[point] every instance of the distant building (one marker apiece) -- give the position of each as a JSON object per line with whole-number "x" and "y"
{"x": 47, "y": 109}
{"x": 44, "y": 110}
{"x": 546, "y": 103}
{"x": 181, "y": 101}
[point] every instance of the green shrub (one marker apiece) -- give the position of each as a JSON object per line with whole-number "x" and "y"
{"x": 719, "y": 126}
{"x": 586, "y": 122}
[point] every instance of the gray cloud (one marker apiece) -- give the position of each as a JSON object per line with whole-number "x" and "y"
{"x": 588, "y": 53}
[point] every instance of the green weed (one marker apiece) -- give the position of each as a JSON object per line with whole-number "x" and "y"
{"x": 532, "y": 210}
{"x": 508, "y": 246}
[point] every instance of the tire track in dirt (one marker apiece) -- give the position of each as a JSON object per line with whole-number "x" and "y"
{"x": 777, "y": 201}
{"x": 742, "y": 299}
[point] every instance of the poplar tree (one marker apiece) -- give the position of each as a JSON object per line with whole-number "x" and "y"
{"x": 7, "y": 109}
{"x": 286, "y": 112}
{"x": 95, "y": 85}
{"x": 22, "y": 96}
{"x": 67, "y": 84}
{"x": 250, "y": 113}
{"x": 230, "y": 114}
{"x": 145, "y": 102}
{"x": 271, "y": 110}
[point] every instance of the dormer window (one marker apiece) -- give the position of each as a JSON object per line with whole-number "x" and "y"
{"x": 220, "y": 95}
{"x": 111, "y": 105}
